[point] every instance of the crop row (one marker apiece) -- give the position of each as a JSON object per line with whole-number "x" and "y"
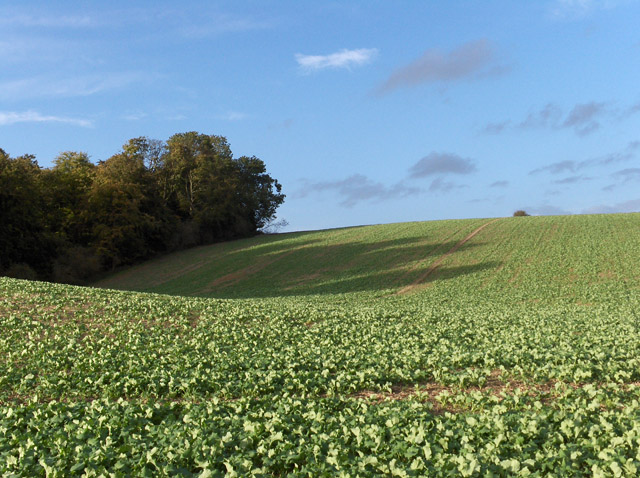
{"x": 588, "y": 431}
{"x": 113, "y": 345}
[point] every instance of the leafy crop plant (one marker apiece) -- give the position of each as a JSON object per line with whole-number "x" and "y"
{"x": 511, "y": 352}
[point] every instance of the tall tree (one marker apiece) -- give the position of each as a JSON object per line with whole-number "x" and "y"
{"x": 199, "y": 168}
{"x": 66, "y": 188}
{"x": 190, "y": 164}
{"x": 22, "y": 232}
{"x": 124, "y": 227}
{"x": 223, "y": 196}
{"x": 259, "y": 195}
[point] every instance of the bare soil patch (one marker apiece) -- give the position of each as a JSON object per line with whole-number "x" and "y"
{"x": 495, "y": 385}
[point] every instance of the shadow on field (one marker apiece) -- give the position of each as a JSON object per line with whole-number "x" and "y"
{"x": 282, "y": 268}
{"x": 386, "y": 280}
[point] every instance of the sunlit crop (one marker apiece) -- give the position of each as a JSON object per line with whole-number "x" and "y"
{"x": 526, "y": 367}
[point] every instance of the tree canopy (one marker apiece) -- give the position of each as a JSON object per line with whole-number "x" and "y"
{"x": 77, "y": 218}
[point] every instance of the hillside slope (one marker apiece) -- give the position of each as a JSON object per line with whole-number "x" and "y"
{"x": 455, "y": 348}
{"x": 576, "y": 257}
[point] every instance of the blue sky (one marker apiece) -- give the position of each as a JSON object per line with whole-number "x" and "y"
{"x": 366, "y": 112}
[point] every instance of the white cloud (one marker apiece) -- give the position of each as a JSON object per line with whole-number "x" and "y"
{"x": 342, "y": 59}
{"x": 11, "y": 117}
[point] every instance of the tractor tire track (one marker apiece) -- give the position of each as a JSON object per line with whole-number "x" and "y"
{"x": 416, "y": 283}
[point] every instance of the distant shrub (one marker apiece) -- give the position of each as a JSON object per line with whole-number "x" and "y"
{"x": 76, "y": 265}
{"x": 21, "y": 271}
{"x": 273, "y": 226}
{"x": 520, "y": 212}
{"x": 187, "y": 235}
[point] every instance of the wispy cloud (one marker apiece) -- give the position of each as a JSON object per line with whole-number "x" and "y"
{"x": 358, "y": 188}
{"x": 632, "y": 205}
{"x": 577, "y": 9}
{"x": 21, "y": 50}
{"x": 187, "y": 21}
{"x": 628, "y": 174}
{"x": 215, "y": 23}
{"x": 548, "y": 116}
{"x": 135, "y": 116}
{"x": 557, "y": 168}
{"x": 631, "y": 110}
{"x": 342, "y": 59}
{"x": 626, "y": 154}
{"x": 499, "y": 184}
{"x": 571, "y": 8}
{"x": 572, "y": 180}
{"x": 547, "y": 210}
{"x": 441, "y": 163}
{"x": 46, "y": 87}
{"x": 495, "y": 128}
{"x": 569, "y": 166}
{"x": 233, "y": 116}
{"x": 20, "y": 19}
{"x": 582, "y": 118}
{"x": 11, "y": 117}
{"x": 282, "y": 125}
{"x": 177, "y": 117}
{"x": 441, "y": 185}
{"x": 471, "y": 60}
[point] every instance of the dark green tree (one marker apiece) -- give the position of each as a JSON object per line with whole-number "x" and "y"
{"x": 66, "y": 188}
{"x": 68, "y": 221}
{"x": 201, "y": 182}
{"x": 259, "y": 195}
{"x": 23, "y": 238}
{"x": 125, "y": 226}
{"x": 223, "y": 197}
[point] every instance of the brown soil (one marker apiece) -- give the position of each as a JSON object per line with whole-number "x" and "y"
{"x": 495, "y": 385}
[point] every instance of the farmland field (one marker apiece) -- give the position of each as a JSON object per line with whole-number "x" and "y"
{"x": 506, "y": 347}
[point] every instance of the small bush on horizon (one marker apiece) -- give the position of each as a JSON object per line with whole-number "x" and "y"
{"x": 520, "y": 213}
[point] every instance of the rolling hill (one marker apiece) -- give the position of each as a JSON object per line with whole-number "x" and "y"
{"x": 484, "y": 347}
{"x": 542, "y": 258}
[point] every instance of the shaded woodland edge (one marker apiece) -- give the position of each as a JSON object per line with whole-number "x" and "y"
{"x": 77, "y": 219}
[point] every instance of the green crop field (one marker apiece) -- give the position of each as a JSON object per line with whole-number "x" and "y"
{"x": 482, "y": 347}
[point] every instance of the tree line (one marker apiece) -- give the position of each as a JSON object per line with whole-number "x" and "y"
{"x": 76, "y": 219}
